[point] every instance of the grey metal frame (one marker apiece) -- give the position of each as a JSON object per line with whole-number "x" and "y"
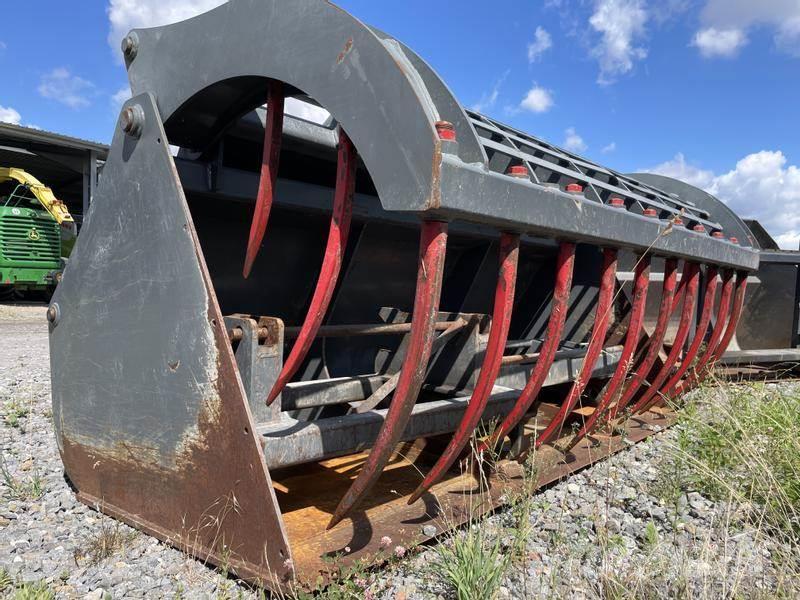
{"x": 388, "y": 100}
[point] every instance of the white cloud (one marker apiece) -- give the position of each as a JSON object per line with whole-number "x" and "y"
{"x": 620, "y": 23}
{"x": 62, "y": 86}
{"x": 9, "y": 115}
{"x": 678, "y": 168}
{"x": 782, "y": 16}
{"x": 609, "y": 148}
{"x": 541, "y": 43}
{"x": 713, "y": 42}
{"x": 124, "y": 15}
{"x": 761, "y": 186}
{"x": 488, "y": 100}
{"x": 787, "y": 39}
{"x": 120, "y": 97}
{"x": 537, "y": 100}
{"x": 573, "y": 142}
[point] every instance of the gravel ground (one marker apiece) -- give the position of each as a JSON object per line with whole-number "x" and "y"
{"x": 607, "y": 526}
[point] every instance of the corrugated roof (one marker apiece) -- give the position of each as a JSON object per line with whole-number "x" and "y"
{"x": 40, "y": 136}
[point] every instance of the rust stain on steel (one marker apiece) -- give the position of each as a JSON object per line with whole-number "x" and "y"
{"x": 453, "y": 501}
{"x": 433, "y": 247}
{"x": 348, "y": 46}
{"x": 213, "y": 497}
{"x": 209, "y": 505}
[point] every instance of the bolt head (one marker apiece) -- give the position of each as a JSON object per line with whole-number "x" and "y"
{"x": 519, "y": 171}
{"x": 446, "y": 131}
{"x": 53, "y": 313}
{"x": 130, "y": 45}
{"x": 132, "y": 120}
{"x": 617, "y": 202}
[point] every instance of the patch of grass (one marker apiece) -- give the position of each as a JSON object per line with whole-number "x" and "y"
{"x": 472, "y": 564}
{"x": 13, "y": 413}
{"x": 744, "y": 445}
{"x": 651, "y": 538}
{"x": 17, "y": 489}
{"x": 37, "y": 590}
{"x": 109, "y": 539}
{"x": 5, "y": 580}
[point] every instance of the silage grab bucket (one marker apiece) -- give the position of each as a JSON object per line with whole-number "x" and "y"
{"x": 280, "y": 343}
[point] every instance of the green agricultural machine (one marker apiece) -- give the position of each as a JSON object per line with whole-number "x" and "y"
{"x": 37, "y": 233}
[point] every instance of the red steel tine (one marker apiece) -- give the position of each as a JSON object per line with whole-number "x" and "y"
{"x": 433, "y": 246}
{"x": 658, "y": 394}
{"x": 270, "y": 158}
{"x": 331, "y": 264}
{"x": 599, "y": 330}
{"x": 691, "y": 283}
{"x": 691, "y": 275}
{"x": 492, "y": 360}
{"x": 632, "y": 337}
{"x": 733, "y": 323}
{"x": 723, "y": 313}
{"x": 656, "y": 340}
{"x": 565, "y": 265}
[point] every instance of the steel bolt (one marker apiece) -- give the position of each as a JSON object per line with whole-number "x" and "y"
{"x": 717, "y": 234}
{"x": 132, "y": 120}
{"x": 650, "y": 212}
{"x": 53, "y": 313}
{"x": 130, "y": 45}
{"x": 617, "y": 202}
{"x": 519, "y": 171}
{"x": 574, "y": 188}
{"x": 446, "y": 131}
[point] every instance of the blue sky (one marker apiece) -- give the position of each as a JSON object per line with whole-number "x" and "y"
{"x": 704, "y": 90}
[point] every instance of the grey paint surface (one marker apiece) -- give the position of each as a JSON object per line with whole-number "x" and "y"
{"x": 133, "y": 303}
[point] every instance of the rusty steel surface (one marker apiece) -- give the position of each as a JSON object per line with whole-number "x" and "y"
{"x": 270, "y": 159}
{"x": 565, "y": 266}
{"x": 501, "y": 321}
{"x": 614, "y": 386}
{"x": 450, "y": 503}
{"x": 599, "y": 331}
{"x": 166, "y": 442}
{"x": 656, "y": 341}
{"x": 433, "y": 245}
{"x": 331, "y": 264}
